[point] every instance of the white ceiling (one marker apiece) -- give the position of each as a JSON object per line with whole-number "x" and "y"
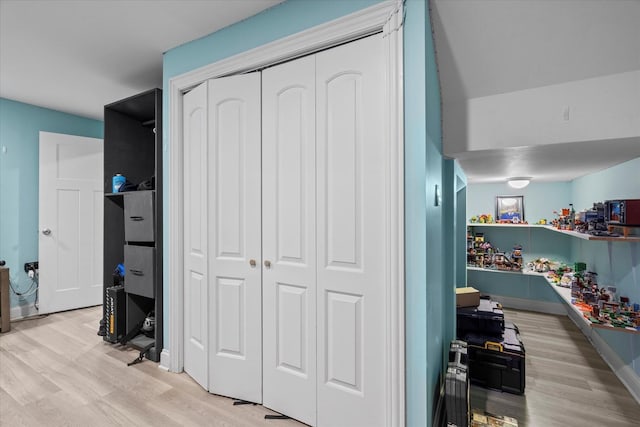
{"x": 76, "y": 56}
{"x": 490, "y": 47}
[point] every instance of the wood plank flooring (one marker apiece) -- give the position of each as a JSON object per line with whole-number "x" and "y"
{"x": 56, "y": 371}
{"x": 568, "y": 384}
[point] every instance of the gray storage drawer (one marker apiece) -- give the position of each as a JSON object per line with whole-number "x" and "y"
{"x": 140, "y": 267}
{"x": 139, "y": 217}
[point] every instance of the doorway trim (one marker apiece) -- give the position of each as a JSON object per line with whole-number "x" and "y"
{"x": 385, "y": 17}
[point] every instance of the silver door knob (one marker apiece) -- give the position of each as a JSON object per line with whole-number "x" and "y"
{"x": 267, "y": 263}
{"x": 46, "y": 232}
{"x": 252, "y": 262}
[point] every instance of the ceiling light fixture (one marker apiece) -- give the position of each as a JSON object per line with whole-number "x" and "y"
{"x": 518, "y": 182}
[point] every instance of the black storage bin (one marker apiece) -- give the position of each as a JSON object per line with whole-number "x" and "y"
{"x": 486, "y": 319}
{"x": 497, "y": 363}
{"x": 139, "y": 263}
{"x": 139, "y": 218}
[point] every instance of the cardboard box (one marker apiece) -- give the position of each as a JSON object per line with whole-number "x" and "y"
{"x": 467, "y": 297}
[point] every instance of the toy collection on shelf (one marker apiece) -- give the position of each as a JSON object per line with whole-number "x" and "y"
{"x": 481, "y": 253}
{"x": 601, "y": 220}
{"x": 599, "y": 305}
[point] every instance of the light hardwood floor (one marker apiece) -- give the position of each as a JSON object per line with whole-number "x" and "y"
{"x": 568, "y": 384}
{"x": 56, "y": 371}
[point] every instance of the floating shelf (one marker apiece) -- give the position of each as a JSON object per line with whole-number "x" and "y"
{"x": 565, "y": 295}
{"x": 575, "y": 234}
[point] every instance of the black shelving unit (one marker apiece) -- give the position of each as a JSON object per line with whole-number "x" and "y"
{"x": 133, "y": 219}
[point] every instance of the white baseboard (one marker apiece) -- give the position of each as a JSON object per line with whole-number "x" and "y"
{"x": 165, "y": 360}
{"x": 22, "y": 311}
{"x": 531, "y": 305}
{"x": 624, "y": 372}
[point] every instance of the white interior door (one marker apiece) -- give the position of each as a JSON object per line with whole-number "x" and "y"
{"x": 234, "y": 222}
{"x": 196, "y": 343}
{"x": 352, "y": 231}
{"x": 71, "y": 222}
{"x": 289, "y": 240}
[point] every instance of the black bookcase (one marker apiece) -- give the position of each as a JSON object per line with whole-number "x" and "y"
{"x": 133, "y": 219}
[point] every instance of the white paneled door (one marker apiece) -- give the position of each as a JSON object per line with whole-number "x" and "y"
{"x": 289, "y": 238}
{"x": 352, "y": 230}
{"x": 234, "y": 230}
{"x": 71, "y": 222}
{"x": 286, "y": 233}
{"x": 196, "y": 342}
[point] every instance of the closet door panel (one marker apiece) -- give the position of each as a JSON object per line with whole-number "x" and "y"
{"x": 235, "y": 293}
{"x": 352, "y": 229}
{"x": 196, "y": 345}
{"x": 288, "y": 158}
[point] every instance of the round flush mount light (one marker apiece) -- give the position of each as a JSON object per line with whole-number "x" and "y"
{"x": 518, "y": 182}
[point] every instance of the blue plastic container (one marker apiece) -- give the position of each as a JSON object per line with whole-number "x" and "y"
{"x": 118, "y": 182}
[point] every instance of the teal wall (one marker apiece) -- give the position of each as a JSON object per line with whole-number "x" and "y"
{"x": 415, "y": 169}
{"x": 619, "y": 182}
{"x": 429, "y": 287}
{"x": 540, "y": 199}
{"x": 426, "y": 315}
{"x": 20, "y": 125}
{"x": 454, "y": 225}
{"x": 615, "y": 263}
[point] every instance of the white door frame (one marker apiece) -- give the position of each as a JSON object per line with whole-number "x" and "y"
{"x": 385, "y": 17}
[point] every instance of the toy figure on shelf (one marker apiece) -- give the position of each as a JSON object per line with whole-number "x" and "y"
{"x": 516, "y": 258}
{"x": 540, "y": 265}
{"x": 471, "y": 256}
{"x": 501, "y": 262}
{"x": 481, "y": 219}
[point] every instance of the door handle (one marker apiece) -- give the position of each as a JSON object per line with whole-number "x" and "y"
{"x": 136, "y": 218}
{"x": 252, "y": 262}
{"x": 267, "y": 263}
{"x": 46, "y": 232}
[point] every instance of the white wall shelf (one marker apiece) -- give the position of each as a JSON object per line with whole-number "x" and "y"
{"x": 575, "y": 234}
{"x": 565, "y": 295}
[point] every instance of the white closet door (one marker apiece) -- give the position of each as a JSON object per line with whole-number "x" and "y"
{"x": 352, "y": 231}
{"x": 289, "y": 241}
{"x": 235, "y": 291}
{"x": 196, "y": 344}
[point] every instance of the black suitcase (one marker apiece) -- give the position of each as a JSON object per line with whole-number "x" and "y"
{"x": 497, "y": 363}
{"x": 486, "y": 319}
{"x": 457, "y": 385}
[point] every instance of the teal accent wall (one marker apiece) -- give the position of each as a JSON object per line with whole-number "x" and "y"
{"x": 540, "y": 199}
{"x": 20, "y": 125}
{"x": 618, "y": 182}
{"x": 454, "y": 241}
{"x": 617, "y": 263}
{"x": 460, "y": 259}
{"x": 440, "y": 267}
{"x": 427, "y": 316}
{"x": 418, "y": 400}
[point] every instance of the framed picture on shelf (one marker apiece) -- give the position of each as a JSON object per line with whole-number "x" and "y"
{"x": 510, "y": 209}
